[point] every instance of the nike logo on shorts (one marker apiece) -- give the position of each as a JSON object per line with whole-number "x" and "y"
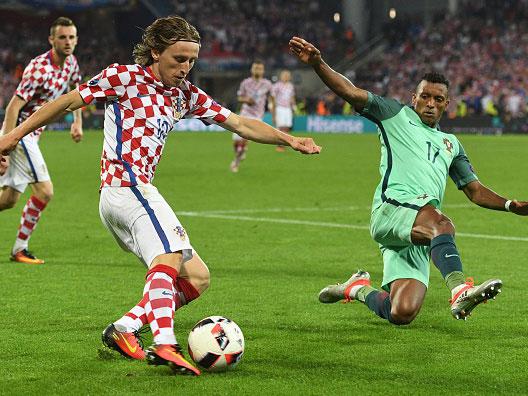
{"x": 451, "y": 255}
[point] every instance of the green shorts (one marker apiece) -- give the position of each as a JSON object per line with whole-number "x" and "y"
{"x": 390, "y": 226}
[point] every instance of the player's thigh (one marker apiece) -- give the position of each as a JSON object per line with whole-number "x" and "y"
{"x": 8, "y": 197}
{"x": 30, "y": 162}
{"x": 144, "y": 222}
{"x": 391, "y": 224}
{"x": 196, "y": 272}
{"x": 407, "y": 262}
{"x": 157, "y": 230}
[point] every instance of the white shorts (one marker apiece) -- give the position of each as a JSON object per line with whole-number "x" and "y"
{"x": 283, "y": 117}
{"x": 142, "y": 222}
{"x": 26, "y": 165}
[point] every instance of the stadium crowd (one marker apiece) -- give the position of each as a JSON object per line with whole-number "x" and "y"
{"x": 261, "y": 29}
{"x": 483, "y": 50}
{"x": 486, "y": 62}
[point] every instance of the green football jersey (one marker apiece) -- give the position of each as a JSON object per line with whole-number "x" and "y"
{"x": 415, "y": 158}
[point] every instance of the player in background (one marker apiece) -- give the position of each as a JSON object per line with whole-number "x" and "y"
{"x": 406, "y": 219}
{"x": 45, "y": 78}
{"x": 283, "y": 93}
{"x": 253, "y": 93}
{"x": 143, "y": 102}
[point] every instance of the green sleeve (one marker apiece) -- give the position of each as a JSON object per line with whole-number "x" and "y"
{"x": 379, "y": 108}
{"x": 461, "y": 170}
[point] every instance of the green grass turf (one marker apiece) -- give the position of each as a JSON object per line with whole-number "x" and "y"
{"x": 265, "y": 276}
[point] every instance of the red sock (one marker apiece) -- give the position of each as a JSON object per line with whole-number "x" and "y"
{"x": 28, "y": 222}
{"x": 187, "y": 289}
{"x": 160, "y": 303}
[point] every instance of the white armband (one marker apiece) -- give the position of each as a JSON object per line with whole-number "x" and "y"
{"x": 507, "y": 205}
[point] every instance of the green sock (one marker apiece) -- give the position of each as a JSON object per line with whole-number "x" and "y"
{"x": 454, "y": 279}
{"x": 364, "y": 292}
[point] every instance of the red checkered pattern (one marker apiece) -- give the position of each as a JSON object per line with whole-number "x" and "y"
{"x": 137, "y": 317}
{"x": 140, "y": 111}
{"x": 43, "y": 81}
{"x": 259, "y": 90}
{"x": 283, "y": 92}
{"x": 160, "y": 307}
{"x": 29, "y": 219}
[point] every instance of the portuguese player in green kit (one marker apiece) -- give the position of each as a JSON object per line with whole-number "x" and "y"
{"x": 406, "y": 220}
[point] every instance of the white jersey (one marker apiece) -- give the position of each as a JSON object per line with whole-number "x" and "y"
{"x": 258, "y": 90}
{"x": 140, "y": 112}
{"x": 284, "y": 93}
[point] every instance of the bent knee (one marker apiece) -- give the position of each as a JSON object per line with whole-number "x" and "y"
{"x": 404, "y": 315}
{"x": 45, "y": 196}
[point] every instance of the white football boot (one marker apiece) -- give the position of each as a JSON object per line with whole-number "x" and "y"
{"x": 345, "y": 291}
{"x": 467, "y": 296}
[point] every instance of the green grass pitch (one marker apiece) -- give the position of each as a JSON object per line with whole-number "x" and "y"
{"x": 273, "y": 235}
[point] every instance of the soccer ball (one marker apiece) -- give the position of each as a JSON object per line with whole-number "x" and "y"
{"x": 216, "y": 343}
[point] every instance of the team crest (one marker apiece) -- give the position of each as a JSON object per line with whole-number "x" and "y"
{"x": 180, "y": 231}
{"x": 178, "y": 104}
{"x": 448, "y": 144}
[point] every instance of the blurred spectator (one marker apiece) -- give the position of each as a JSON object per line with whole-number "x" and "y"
{"x": 483, "y": 51}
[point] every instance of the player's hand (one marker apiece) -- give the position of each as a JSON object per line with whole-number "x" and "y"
{"x": 76, "y": 132}
{"x": 250, "y": 101}
{"x": 520, "y": 208}
{"x": 4, "y": 164}
{"x": 305, "y": 145}
{"x": 305, "y": 51}
{"x": 8, "y": 143}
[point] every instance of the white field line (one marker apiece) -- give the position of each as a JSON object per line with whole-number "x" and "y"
{"x": 310, "y": 209}
{"x": 330, "y": 225}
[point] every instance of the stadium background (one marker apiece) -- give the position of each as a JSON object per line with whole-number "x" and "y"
{"x": 285, "y": 225}
{"x": 381, "y": 45}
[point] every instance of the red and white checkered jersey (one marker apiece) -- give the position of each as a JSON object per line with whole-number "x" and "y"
{"x": 259, "y": 91}
{"x": 43, "y": 81}
{"x": 283, "y": 92}
{"x": 140, "y": 112}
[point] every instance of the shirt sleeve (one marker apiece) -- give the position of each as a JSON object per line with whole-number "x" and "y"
{"x": 379, "y": 108}
{"x": 108, "y": 85}
{"x": 461, "y": 171}
{"x": 202, "y": 106}
{"x": 32, "y": 78}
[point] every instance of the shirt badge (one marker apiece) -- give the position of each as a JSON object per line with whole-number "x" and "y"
{"x": 178, "y": 104}
{"x": 448, "y": 144}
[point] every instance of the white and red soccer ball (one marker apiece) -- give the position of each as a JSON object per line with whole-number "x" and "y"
{"x": 216, "y": 343}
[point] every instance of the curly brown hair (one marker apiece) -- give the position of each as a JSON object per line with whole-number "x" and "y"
{"x": 162, "y": 33}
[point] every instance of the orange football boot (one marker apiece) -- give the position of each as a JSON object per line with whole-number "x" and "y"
{"x": 127, "y": 344}
{"x": 171, "y": 356}
{"x": 24, "y": 256}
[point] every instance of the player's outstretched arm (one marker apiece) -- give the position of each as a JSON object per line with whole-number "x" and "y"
{"x": 342, "y": 86}
{"x": 483, "y": 196}
{"x": 261, "y": 132}
{"x": 59, "y": 107}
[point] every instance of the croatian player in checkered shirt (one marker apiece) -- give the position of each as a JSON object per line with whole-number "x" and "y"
{"x": 45, "y": 78}
{"x": 143, "y": 102}
{"x": 254, "y": 92}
